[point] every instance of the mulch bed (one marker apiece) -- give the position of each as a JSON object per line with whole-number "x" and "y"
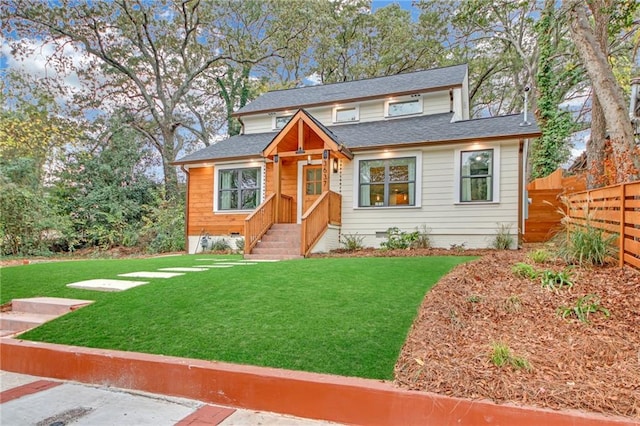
{"x": 593, "y": 366}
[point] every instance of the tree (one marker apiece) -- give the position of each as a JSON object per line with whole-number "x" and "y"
{"x": 557, "y": 73}
{"x": 607, "y": 90}
{"x": 150, "y": 54}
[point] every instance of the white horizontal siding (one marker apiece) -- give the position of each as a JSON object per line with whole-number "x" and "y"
{"x": 475, "y": 225}
{"x": 372, "y": 110}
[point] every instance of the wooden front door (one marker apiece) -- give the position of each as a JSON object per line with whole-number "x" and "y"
{"x": 311, "y": 185}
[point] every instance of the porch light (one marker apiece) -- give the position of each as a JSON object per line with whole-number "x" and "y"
{"x": 309, "y": 159}
{"x": 335, "y": 165}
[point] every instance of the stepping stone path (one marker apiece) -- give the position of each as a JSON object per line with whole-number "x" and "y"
{"x": 26, "y": 314}
{"x": 107, "y": 285}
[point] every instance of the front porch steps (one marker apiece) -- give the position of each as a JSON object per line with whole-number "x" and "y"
{"x": 26, "y": 314}
{"x": 281, "y": 242}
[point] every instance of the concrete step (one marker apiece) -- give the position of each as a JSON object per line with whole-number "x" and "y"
{"x": 267, "y": 250}
{"x": 278, "y": 244}
{"x": 19, "y": 321}
{"x": 48, "y": 305}
{"x": 254, "y": 256}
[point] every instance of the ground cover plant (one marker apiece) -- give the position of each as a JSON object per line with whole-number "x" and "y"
{"x": 346, "y": 316}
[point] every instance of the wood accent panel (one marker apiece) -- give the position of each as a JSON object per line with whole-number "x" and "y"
{"x": 201, "y": 217}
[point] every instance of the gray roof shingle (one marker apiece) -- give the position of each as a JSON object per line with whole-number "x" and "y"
{"x": 402, "y": 131}
{"x": 358, "y": 89}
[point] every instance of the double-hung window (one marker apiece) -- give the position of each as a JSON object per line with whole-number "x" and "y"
{"x": 476, "y": 175}
{"x": 387, "y": 182}
{"x": 239, "y": 189}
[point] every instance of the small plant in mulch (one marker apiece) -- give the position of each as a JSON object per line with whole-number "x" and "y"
{"x": 586, "y": 246}
{"x": 539, "y": 256}
{"x": 501, "y": 356}
{"x": 352, "y": 242}
{"x": 555, "y": 280}
{"x": 524, "y": 270}
{"x": 397, "y": 239}
{"x": 220, "y": 245}
{"x": 513, "y": 304}
{"x": 458, "y": 248}
{"x": 503, "y": 239}
{"x": 584, "y": 306}
{"x": 475, "y": 298}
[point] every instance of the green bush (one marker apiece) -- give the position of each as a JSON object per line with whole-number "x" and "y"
{"x": 164, "y": 228}
{"x": 219, "y": 244}
{"x": 556, "y": 280}
{"x": 524, "y": 270}
{"x": 397, "y": 239}
{"x": 539, "y": 255}
{"x": 352, "y": 242}
{"x": 586, "y": 245}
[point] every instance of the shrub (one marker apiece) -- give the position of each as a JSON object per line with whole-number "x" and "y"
{"x": 397, "y": 239}
{"x": 164, "y": 228}
{"x": 524, "y": 270}
{"x": 503, "y": 239}
{"x": 539, "y": 255}
{"x": 423, "y": 239}
{"x": 584, "y": 306}
{"x": 501, "y": 356}
{"x": 352, "y": 242}
{"x": 556, "y": 280}
{"x": 220, "y": 244}
{"x": 240, "y": 245}
{"x": 586, "y": 245}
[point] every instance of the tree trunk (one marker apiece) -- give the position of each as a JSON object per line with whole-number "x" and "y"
{"x": 608, "y": 92}
{"x": 596, "y": 144}
{"x": 170, "y": 172}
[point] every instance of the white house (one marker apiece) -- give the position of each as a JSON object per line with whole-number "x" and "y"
{"x": 315, "y": 163}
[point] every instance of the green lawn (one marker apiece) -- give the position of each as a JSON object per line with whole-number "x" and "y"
{"x": 346, "y": 316}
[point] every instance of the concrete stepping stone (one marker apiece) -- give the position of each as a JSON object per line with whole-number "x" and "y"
{"x": 237, "y": 263}
{"x": 216, "y": 266}
{"x": 149, "y": 274}
{"x": 106, "y": 285}
{"x": 180, "y": 269}
{"x": 211, "y": 260}
{"x": 264, "y": 260}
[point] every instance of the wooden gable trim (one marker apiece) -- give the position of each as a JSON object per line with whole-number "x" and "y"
{"x": 299, "y": 119}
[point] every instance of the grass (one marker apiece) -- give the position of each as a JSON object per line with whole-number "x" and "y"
{"x": 346, "y": 316}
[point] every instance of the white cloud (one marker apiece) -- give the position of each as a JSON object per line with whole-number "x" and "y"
{"x": 313, "y": 79}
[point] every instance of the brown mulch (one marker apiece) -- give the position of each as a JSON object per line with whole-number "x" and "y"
{"x": 594, "y": 366}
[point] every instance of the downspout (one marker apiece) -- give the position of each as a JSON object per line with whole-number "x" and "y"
{"x": 523, "y": 209}
{"x": 186, "y": 213}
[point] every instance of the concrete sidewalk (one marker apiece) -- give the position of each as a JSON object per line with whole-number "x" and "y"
{"x": 30, "y": 400}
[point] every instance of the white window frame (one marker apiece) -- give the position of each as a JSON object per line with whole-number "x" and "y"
{"x": 227, "y": 166}
{"x": 405, "y": 99}
{"x": 274, "y": 121}
{"x": 334, "y": 113}
{"x": 495, "y": 175}
{"x": 388, "y": 156}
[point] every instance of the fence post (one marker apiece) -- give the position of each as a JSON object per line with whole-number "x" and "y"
{"x": 623, "y": 197}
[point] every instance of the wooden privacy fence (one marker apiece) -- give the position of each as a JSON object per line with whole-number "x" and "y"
{"x": 615, "y": 209}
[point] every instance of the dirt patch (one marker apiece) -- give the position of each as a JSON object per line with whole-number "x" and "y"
{"x": 594, "y": 366}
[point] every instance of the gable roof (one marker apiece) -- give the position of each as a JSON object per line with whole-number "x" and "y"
{"x": 421, "y": 130}
{"x": 393, "y": 85}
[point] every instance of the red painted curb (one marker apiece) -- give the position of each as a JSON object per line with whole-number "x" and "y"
{"x": 309, "y": 395}
{"x": 28, "y": 389}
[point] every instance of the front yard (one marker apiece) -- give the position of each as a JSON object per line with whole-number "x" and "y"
{"x": 346, "y": 316}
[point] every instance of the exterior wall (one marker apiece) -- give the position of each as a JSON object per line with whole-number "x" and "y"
{"x": 433, "y": 103}
{"x": 449, "y": 222}
{"x": 329, "y": 241}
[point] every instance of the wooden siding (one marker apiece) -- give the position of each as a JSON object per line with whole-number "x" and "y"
{"x": 450, "y": 223}
{"x": 433, "y": 103}
{"x": 615, "y": 209}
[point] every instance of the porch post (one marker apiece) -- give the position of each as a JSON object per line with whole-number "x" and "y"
{"x": 276, "y": 172}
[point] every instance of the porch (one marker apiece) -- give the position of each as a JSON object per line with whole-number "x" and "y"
{"x": 301, "y": 161}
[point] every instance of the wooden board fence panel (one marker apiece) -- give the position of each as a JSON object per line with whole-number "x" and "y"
{"x": 615, "y": 209}
{"x": 544, "y": 215}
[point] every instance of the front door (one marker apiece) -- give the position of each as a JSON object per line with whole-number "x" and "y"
{"x": 311, "y": 185}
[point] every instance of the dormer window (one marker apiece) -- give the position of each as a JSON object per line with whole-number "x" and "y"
{"x": 279, "y": 121}
{"x": 346, "y": 114}
{"x": 405, "y": 106}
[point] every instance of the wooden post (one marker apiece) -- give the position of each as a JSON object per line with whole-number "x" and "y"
{"x": 300, "y": 135}
{"x": 278, "y": 188}
{"x": 623, "y": 196}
